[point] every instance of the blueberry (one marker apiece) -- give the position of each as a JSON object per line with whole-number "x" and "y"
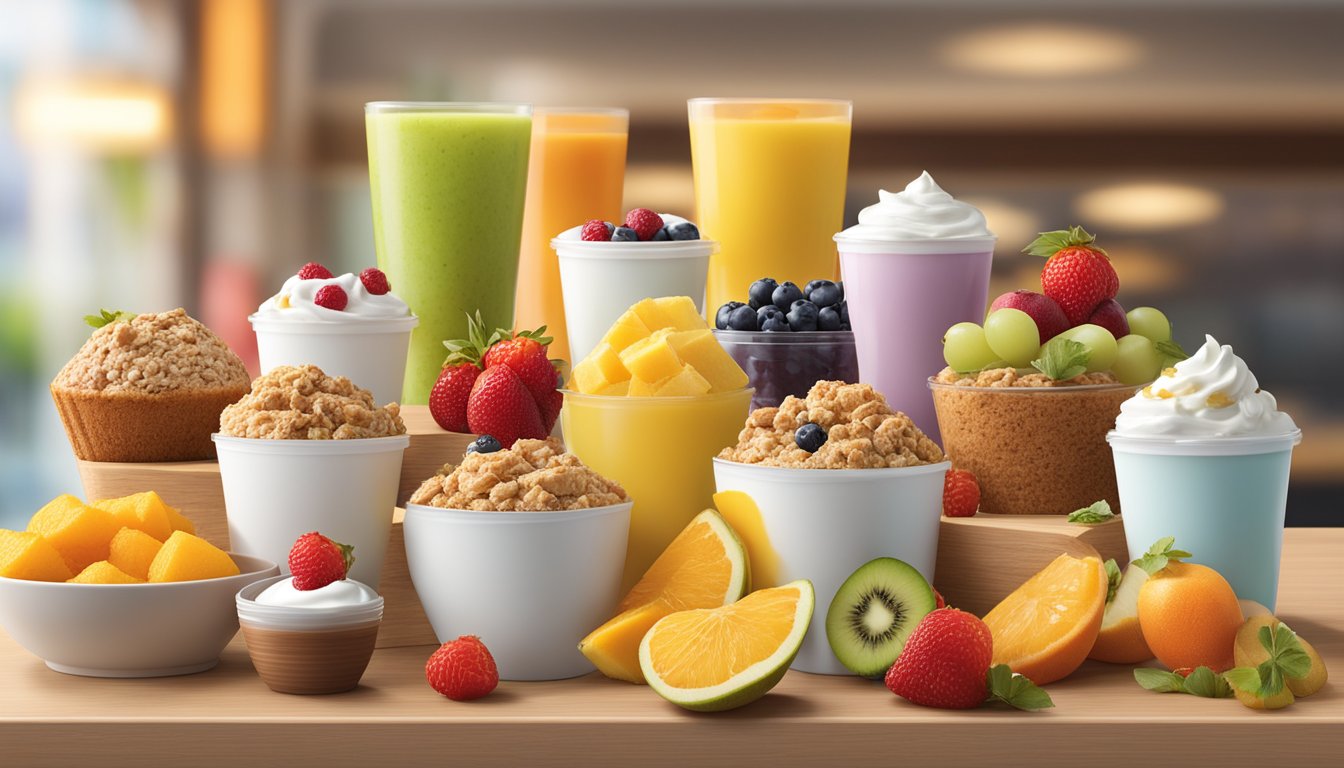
{"x": 843, "y": 306}
{"x": 484, "y": 444}
{"x": 683, "y": 230}
{"x": 810, "y": 437}
{"x": 761, "y": 291}
{"x": 661, "y": 234}
{"x": 721, "y": 317}
{"x": 624, "y": 235}
{"x": 769, "y": 310}
{"x": 742, "y": 319}
{"x": 807, "y": 289}
{"x": 610, "y": 227}
{"x": 825, "y": 294}
{"x": 802, "y": 316}
{"x": 776, "y": 323}
{"x": 828, "y": 319}
{"x": 784, "y": 296}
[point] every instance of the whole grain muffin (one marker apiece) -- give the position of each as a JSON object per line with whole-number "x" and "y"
{"x": 148, "y": 388}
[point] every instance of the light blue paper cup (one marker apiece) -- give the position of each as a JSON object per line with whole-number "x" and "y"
{"x": 1222, "y": 498}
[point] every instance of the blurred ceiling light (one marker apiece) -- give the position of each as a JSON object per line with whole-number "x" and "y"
{"x": 1015, "y": 226}
{"x": 1042, "y": 50}
{"x": 94, "y": 114}
{"x": 1149, "y": 206}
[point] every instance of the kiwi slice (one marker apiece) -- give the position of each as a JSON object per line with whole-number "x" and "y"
{"x": 873, "y": 613}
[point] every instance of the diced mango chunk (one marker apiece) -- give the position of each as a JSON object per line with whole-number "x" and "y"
{"x": 627, "y": 329}
{"x": 79, "y": 532}
{"x": 679, "y": 312}
{"x": 619, "y": 389}
{"x": 642, "y": 388}
{"x": 608, "y": 360}
{"x": 26, "y": 555}
{"x": 688, "y": 383}
{"x": 652, "y": 359}
{"x": 142, "y": 511}
{"x": 587, "y": 377}
{"x": 103, "y": 572}
{"x": 179, "y": 522}
{"x": 704, "y": 353}
{"x": 185, "y": 557}
{"x": 132, "y": 551}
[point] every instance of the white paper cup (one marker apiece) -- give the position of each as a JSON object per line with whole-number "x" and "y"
{"x": 600, "y": 280}
{"x": 531, "y": 585}
{"x": 822, "y": 524}
{"x": 277, "y": 490}
{"x": 371, "y": 352}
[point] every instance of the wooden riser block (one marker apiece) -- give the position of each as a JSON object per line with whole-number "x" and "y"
{"x": 982, "y": 559}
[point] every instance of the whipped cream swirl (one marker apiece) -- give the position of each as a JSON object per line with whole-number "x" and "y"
{"x": 922, "y": 211}
{"x": 1210, "y": 394}
{"x": 334, "y": 595}
{"x": 295, "y": 301}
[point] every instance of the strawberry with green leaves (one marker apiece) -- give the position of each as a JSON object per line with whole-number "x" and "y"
{"x": 1078, "y": 274}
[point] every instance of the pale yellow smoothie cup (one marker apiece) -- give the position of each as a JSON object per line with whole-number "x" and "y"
{"x": 661, "y": 449}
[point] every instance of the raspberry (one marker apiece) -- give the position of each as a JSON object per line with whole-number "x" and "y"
{"x": 375, "y": 282}
{"x": 314, "y": 271}
{"x": 462, "y": 669}
{"x": 646, "y": 223}
{"x": 961, "y": 493}
{"x": 331, "y": 297}
{"x": 595, "y": 231}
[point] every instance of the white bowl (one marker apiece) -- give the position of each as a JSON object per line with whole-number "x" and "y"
{"x": 531, "y": 585}
{"x": 127, "y": 630}
{"x": 822, "y": 524}
{"x": 277, "y": 490}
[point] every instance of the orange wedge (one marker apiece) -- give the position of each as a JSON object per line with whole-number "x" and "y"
{"x": 1120, "y": 640}
{"x": 713, "y": 659}
{"x": 1045, "y": 628}
{"x": 705, "y": 566}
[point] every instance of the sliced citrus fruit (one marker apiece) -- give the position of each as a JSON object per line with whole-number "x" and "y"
{"x": 705, "y": 566}
{"x": 1045, "y": 628}
{"x": 711, "y": 659}
{"x": 1120, "y": 640}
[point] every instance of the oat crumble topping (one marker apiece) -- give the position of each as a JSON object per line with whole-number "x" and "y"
{"x": 532, "y": 476}
{"x": 303, "y": 403}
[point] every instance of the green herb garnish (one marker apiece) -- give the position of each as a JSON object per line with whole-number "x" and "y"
{"x": 1286, "y": 659}
{"x": 1098, "y": 512}
{"x": 1063, "y": 359}
{"x": 107, "y": 318}
{"x": 1015, "y": 690}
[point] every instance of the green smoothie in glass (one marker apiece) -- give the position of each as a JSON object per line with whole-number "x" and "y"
{"x": 448, "y": 183}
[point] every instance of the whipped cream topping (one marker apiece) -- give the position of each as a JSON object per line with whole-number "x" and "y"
{"x": 1210, "y": 394}
{"x": 922, "y": 211}
{"x": 295, "y": 301}
{"x": 334, "y": 595}
{"x": 668, "y": 220}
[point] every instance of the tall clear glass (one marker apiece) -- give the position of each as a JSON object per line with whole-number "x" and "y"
{"x": 448, "y": 183}
{"x": 770, "y": 188}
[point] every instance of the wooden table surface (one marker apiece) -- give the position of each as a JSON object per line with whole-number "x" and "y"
{"x": 228, "y": 717}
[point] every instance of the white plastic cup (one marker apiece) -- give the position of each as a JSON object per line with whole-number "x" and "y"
{"x": 822, "y": 524}
{"x": 277, "y": 490}
{"x": 531, "y": 585}
{"x": 600, "y": 280}
{"x": 1223, "y": 499}
{"x": 370, "y": 352}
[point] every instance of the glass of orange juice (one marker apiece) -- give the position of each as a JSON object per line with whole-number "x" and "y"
{"x": 576, "y": 172}
{"x": 770, "y": 188}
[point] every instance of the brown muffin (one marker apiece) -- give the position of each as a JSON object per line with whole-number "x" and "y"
{"x": 148, "y": 389}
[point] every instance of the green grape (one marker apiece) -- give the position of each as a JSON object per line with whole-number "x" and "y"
{"x": 1099, "y": 341}
{"x": 1137, "y": 360}
{"x": 965, "y": 348}
{"x": 1150, "y": 323}
{"x": 1013, "y": 336}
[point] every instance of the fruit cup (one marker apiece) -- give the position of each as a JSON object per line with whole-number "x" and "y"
{"x": 371, "y": 352}
{"x": 783, "y": 364}
{"x": 1034, "y": 450}
{"x": 529, "y": 584}
{"x": 277, "y": 490}
{"x": 822, "y": 524}
{"x": 659, "y": 450}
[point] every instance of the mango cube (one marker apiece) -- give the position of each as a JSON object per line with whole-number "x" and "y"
{"x": 608, "y": 360}
{"x": 642, "y": 388}
{"x": 587, "y": 377}
{"x": 627, "y": 329}
{"x": 619, "y": 389}
{"x": 704, "y": 353}
{"x": 79, "y": 532}
{"x": 688, "y": 383}
{"x": 179, "y": 522}
{"x": 132, "y": 551}
{"x": 652, "y": 359}
{"x": 676, "y": 312}
{"x": 26, "y": 555}
{"x": 141, "y": 511}
{"x": 103, "y": 572}
{"x": 185, "y": 557}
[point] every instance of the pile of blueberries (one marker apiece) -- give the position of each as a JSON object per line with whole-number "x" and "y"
{"x": 778, "y": 307}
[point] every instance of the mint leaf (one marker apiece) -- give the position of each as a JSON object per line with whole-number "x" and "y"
{"x": 1047, "y": 244}
{"x": 1159, "y": 554}
{"x": 1170, "y": 348}
{"x": 1159, "y": 680}
{"x": 1244, "y": 679}
{"x": 1113, "y": 577}
{"x": 1288, "y": 654}
{"x": 1063, "y": 359}
{"x": 1098, "y": 512}
{"x": 1015, "y": 690}
{"x": 1203, "y": 682}
{"x": 105, "y": 317}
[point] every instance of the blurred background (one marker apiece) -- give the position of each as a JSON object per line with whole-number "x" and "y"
{"x": 157, "y": 153}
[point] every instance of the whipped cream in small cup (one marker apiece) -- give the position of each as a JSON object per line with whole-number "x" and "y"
{"x": 295, "y": 301}
{"x": 333, "y": 595}
{"x": 922, "y": 211}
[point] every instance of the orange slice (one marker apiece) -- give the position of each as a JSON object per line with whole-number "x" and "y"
{"x": 1045, "y": 628}
{"x": 1120, "y": 640}
{"x": 705, "y": 566}
{"x": 713, "y": 659}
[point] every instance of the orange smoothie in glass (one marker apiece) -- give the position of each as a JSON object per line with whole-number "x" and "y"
{"x": 770, "y": 188}
{"x": 576, "y": 173}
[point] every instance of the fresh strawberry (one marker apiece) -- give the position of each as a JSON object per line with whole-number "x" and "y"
{"x": 961, "y": 493}
{"x": 550, "y": 409}
{"x": 316, "y": 561}
{"x": 1077, "y": 275}
{"x": 332, "y": 297}
{"x": 448, "y": 398}
{"x": 314, "y": 271}
{"x": 375, "y": 282}
{"x": 938, "y": 601}
{"x": 501, "y": 405}
{"x": 462, "y": 669}
{"x": 646, "y": 223}
{"x": 525, "y": 353}
{"x": 945, "y": 662}
{"x": 596, "y": 230}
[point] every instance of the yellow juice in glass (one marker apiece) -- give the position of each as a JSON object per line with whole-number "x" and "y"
{"x": 576, "y": 173}
{"x": 770, "y": 188}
